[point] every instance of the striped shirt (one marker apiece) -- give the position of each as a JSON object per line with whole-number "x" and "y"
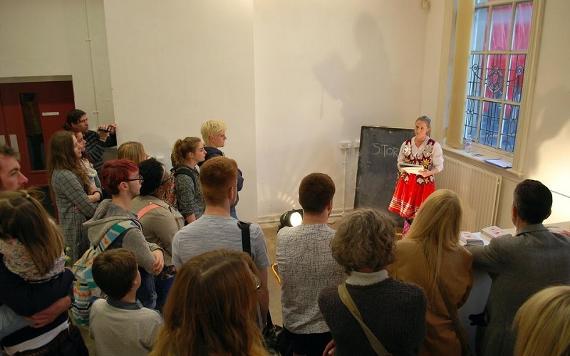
{"x": 95, "y": 147}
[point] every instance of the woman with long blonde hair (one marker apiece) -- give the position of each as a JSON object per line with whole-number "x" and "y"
{"x": 542, "y": 324}
{"x": 212, "y": 308}
{"x": 431, "y": 257}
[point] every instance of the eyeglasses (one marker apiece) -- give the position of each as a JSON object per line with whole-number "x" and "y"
{"x": 133, "y": 179}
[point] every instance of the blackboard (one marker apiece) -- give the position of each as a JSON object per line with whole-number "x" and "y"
{"x": 377, "y": 160}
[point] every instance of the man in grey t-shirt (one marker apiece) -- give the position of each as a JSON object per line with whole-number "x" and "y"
{"x": 306, "y": 266}
{"x": 216, "y": 229}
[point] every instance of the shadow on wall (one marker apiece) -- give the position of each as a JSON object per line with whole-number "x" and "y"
{"x": 366, "y": 89}
{"x": 547, "y": 144}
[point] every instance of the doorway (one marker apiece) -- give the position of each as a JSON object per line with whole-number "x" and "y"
{"x": 30, "y": 113}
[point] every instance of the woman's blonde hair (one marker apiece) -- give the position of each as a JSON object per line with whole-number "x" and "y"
{"x": 436, "y": 227}
{"x": 133, "y": 151}
{"x": 210, "y": 128}
{"x": 212, "y": 308}
{"x": 25, "y": 219}
{"x": 61, "y": 155}
{"x": 542, "y": 323}
{"x": 182, "y": 148}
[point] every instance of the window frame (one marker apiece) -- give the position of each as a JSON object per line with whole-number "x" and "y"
{"x": 458, "y": 90}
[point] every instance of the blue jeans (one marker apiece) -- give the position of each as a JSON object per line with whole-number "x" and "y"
{"x": 163, "y": 286}
{"x": 146, "y": 293}
{"x": 10, "y": 321}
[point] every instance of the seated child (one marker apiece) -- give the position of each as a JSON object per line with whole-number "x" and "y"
{"x": 18, "y": 261}
{"x": 120, "y": 324}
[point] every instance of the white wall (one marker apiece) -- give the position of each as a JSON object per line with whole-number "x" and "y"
{"x": 49, "y": 38}
{"x": 547, "y": 152}
{"x": 322, "y": 70}
{"x": 177, "y": 64}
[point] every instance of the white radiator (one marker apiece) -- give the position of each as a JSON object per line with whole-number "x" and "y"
{"x": 478, "y": 190}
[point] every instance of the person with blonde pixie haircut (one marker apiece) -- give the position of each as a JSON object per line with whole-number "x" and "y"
{"x": 430, "y": 256}
{"x": 394, "y": 311}
{"x": 186, "y": 155}
{"x": 542, "y": 324}
{"x": 132, "y": 150}
{"x": 214, "y": 135}
{"x": 212, "y": 308}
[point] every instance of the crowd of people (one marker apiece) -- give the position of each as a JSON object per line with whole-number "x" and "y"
{"x": 163, "y": 266}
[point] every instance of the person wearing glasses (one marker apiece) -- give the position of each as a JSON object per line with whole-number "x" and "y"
{"x": 159, "y": 219}
{"x": 76, "y": 197}
{"x": 122, "y": 180}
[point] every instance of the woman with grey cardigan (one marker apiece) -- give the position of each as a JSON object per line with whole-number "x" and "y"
{"x": 393, "y": 311}
{"x": 76, "y": 197}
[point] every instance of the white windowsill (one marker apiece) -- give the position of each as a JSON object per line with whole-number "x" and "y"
{"x": 478, "y": 160}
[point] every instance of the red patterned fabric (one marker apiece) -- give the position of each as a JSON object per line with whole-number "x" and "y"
{"x": 411, "y": 190}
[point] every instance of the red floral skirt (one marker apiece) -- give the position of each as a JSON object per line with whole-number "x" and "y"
{"x": 409, "y": 196}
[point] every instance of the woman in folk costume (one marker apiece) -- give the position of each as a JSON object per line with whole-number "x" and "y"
{"x": 412, "y": 189}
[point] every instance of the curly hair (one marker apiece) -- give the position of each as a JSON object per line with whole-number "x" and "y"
{"x": 364, "y": 239}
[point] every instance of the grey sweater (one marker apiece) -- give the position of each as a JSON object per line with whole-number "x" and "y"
{"x": 107, "y": 215}
{"x": 393, "y": 310}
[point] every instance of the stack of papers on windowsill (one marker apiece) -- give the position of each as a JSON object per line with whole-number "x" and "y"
{"x": 468, "y": 239}
{"x": 499, "y": 163}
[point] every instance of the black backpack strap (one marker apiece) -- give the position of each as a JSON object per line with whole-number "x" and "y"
{"x": 185, "y": 171}
{"x": 245, "y": 238}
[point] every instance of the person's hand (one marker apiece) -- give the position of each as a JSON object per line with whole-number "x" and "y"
{"x": 330, "y": 348}
{"x": 49, "y": 314}
{"x": 103, "y": 132}
{"x": 112, "y": 128}
{"x": 425, "y": 173}
{"x": 93, "y": 188}
{"x": 158, "y": 264}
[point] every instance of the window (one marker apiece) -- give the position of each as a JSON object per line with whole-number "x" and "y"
{"x": 500, "y": 36}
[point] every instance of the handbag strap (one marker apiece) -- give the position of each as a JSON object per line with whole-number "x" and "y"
{"x": 452, "y": 310}
{"x": 349, "y": 303}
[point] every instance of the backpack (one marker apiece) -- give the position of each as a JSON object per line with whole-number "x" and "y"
{"x": 185, "y": 171}
{"x": 85, "y": 291}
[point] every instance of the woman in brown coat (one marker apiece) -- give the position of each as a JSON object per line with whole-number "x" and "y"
{"x": 431, "y": 254}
